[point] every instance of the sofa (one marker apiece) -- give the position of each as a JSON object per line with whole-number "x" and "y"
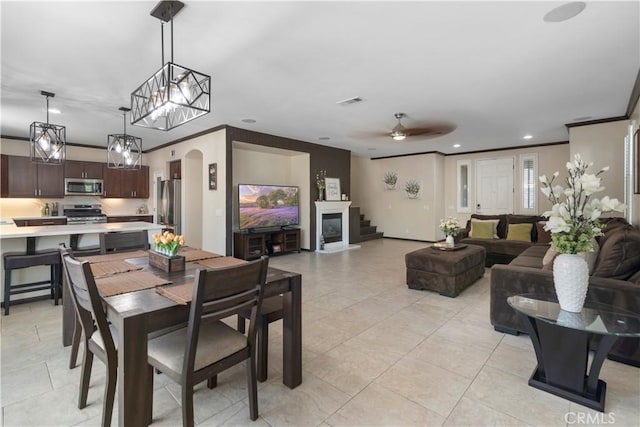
{"x": 615, "y": 280}
{"x": 502, "y": 250}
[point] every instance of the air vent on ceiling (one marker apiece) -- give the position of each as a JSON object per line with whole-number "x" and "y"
{"x": 350, "y": 101}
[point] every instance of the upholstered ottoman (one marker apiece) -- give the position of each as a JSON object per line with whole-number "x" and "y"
{"x": 447, "y": 272}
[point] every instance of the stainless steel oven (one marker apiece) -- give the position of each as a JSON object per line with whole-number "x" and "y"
{"x": 83, "y": 187}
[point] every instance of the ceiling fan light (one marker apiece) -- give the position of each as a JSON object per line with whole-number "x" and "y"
{"x": 399, "y": 132}
{"x": 398, "y": 136}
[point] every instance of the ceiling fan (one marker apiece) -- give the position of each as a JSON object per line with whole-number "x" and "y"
{"x": 431, "y": 130}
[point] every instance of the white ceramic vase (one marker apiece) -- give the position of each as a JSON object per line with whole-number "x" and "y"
{"x": 571, "y": 279}
{"x": 449, "y": 239}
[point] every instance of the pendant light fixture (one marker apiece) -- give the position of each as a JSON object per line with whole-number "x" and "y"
{"x": 174, "y": 94}
{"x": 47, "y": 141}
{"x": 399, "y": 132}
{"x": 124, "y": 151}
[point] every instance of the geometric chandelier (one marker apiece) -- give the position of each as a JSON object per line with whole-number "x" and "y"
{"x": 47, "y": 141}
{"x": 124, "y": 151}
{"x": 174, "y": 94}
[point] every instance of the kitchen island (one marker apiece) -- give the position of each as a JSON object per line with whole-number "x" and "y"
{"x": 30, "y": 238}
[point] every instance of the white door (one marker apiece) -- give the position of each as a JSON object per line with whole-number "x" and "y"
{"x": 494, "y": 186}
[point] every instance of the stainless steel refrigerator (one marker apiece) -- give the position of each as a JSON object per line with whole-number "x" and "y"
{"x": 169, "y": 204}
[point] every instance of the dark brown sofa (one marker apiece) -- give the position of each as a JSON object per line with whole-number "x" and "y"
{"x": 615, "y": 280}
{"x": 501, "y": 251}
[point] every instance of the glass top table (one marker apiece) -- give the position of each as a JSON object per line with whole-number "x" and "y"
{"x": 602, "y": 319}
{"x": 561, "y": 342}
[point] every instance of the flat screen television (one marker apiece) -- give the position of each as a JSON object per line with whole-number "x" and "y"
{"x": 267, "y": 206}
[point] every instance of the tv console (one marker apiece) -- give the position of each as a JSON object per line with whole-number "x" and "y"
{"x": 257, "y": 242}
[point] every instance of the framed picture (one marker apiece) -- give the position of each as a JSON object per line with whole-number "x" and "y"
{"x": 213, "y": 176}
{"x": 332, "y": 188}
{"x": 636, "y": 147}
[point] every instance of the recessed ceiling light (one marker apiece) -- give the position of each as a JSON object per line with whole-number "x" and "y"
{"x": 54, "y": 111}
{"x": 324, "y": 138}
{"x": 248, "y": 120}
{"x": 456, "y": 145}
{"x": 565, "y": 12}
{"x": 527, "y": 137}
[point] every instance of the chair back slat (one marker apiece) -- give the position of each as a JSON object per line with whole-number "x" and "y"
{"x": 87, "y": 301}
{"x": 221, "y": 293}
{"x": 123, "y": 241}
{"x": 226, "y": 306}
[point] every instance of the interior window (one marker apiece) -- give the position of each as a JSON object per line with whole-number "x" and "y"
{"x": 529, "y": 175}
{"x": 463, "y": 186}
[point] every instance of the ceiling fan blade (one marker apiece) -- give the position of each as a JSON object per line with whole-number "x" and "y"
{"x": 431, "y": 131}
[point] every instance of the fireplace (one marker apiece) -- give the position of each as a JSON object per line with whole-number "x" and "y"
{"x": 332, "y": 227}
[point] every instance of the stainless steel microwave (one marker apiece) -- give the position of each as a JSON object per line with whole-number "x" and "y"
{"x": 83, "y": 187}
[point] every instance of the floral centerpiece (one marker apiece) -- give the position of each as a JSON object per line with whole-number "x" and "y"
{"x": 167, "y": 243}
{"x": 450, "y": 226}
{"x": 573, "y": 223}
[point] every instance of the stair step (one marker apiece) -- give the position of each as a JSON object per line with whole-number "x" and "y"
{"x": 372, "y": 236}
{"x": 365, "y": 223}
{"x": 368, "y": 230}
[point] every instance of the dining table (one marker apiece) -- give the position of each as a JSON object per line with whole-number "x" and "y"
{"x": 137, "y": 313}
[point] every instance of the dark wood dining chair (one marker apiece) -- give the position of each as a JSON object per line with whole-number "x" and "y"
{"x": 119, "y": 241}
{"x": 270, "y": 311}
{"x": 98, "y": 342}
{"x": 208, "y": 346}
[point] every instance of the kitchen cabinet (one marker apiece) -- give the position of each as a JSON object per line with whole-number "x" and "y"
{"x": 79, "y": 169}
{"x": 126, "y": 183}
{"x": 28, "y": 179}
{"x": 31, "y": 222}
{"x": 130, "y": 218}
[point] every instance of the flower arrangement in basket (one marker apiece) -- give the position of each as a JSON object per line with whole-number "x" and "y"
{"x": 412, "y": 188}
{"x": 390, "y": 180}
{"x": 450, "y": 226}
{"x": 167, "y": 243}
{"x": 573, "y": 221}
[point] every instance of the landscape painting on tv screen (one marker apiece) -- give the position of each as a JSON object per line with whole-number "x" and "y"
{"x": 264, "y": 206}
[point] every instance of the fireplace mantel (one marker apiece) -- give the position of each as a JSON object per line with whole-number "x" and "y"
{"x": 337, "y": 207}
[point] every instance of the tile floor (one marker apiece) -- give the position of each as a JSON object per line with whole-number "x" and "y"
{"x": 374, "y": 354}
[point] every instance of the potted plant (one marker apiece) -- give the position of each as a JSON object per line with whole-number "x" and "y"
{"x": 412, "y": 188}
{"x": 390, "y": 180}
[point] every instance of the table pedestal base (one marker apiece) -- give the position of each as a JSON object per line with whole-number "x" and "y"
{"x": 594, "y": 402}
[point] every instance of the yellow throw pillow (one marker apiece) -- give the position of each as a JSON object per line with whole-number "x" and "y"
{"x": 520, "y": 232}
{"x": 483, "y": 229}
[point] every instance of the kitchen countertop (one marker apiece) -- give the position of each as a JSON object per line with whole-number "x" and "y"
{"x": 11, "y": 231}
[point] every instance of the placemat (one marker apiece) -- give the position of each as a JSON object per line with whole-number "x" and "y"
{"x": 116, "y": 256}
{"x": 128, "y": 282}
{"x": 104, "y": 269}
{"x": 226, "y": 261}
{"x": 197, "y": 254}
{"x": 181, "y": 294}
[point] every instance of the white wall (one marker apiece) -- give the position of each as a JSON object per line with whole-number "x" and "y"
{"x": 22, "y": 207}
{"x": 397, "y": 216}
{"x": 260, "y": 165}
{"x": 603, "y": 144}
{"x": 391, "y": 210}
{"x": 213, "y": 203}
{"x": 635, "y": 119}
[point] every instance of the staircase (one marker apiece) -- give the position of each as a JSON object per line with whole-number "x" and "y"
{"x": 360, "y": 229}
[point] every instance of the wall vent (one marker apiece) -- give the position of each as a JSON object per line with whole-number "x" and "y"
{"x": 350, "y": 101}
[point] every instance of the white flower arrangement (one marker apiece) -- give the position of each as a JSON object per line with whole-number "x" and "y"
{"x": 573, "y": 221}
{"x": 450, "y": 226}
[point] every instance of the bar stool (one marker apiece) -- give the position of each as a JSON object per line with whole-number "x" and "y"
{"x": 271, "y": 311}
{"x": 16, "y": 261}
